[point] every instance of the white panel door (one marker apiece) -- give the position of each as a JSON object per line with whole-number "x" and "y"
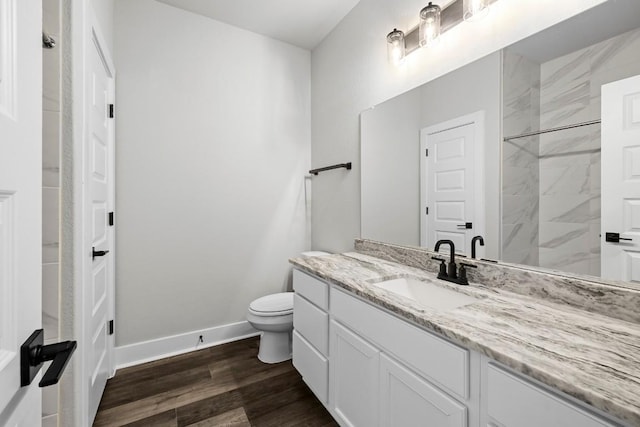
{"x": 20, "y": 203}
{"x": 452, "y": 189}
{"x": 621, "y": 179}
{"x": 408, "y": 400}
{"x": 98, "y": 293}
{"x": 353, "y": 372}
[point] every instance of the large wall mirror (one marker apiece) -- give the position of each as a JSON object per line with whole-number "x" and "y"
{"x": 535, "y": 147}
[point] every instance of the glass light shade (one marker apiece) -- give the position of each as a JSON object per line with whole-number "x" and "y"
{"x": 429, "y": 24}
{"x": 474, "y": 9}
{"x": 395, "y": 46}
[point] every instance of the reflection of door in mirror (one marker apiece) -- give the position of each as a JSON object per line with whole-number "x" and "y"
{"x": 451, "y": 182}
{"x": 551, "y": 181}
{"x": 621, "y": 180}
{"x": 391, "y": 210}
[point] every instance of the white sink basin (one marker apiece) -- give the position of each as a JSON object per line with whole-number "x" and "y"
{"x": 426, "y": 294}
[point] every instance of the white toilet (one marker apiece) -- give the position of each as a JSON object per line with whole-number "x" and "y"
{"x": 273, "y": 315}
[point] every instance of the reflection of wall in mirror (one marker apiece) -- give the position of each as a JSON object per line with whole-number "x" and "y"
{"x": 520, "y": 165}
{"x": 564, "y": 204}
{"x": 389, "y": 168}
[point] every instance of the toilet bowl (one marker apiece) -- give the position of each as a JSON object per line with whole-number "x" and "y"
{"x": 273, "y": 316}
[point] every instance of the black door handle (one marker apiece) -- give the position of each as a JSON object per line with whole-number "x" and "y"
{"x": 614, "y": 238}
{"x": 33, "y": 354}
{"x": 465, "y": 226}
{"x": 95, "y": 253}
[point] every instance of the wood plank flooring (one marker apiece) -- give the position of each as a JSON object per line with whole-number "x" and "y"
{"x": 224, "y": 385}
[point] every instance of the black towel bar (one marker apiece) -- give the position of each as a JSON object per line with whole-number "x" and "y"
{"x": 327, "y": 168}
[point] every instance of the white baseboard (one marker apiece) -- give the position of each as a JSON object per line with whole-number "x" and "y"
{"x": 148, "y": 351}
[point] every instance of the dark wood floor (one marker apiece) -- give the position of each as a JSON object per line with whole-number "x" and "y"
{"x": 219, "y": 386}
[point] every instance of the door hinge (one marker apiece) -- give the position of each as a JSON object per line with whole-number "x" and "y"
{"x": 111, "y": 219}
{"x": 110, "y": 327}
{"x": 426, "y": 152}
{"x": 426, "y": 211}
{"x": 111, "y": 108}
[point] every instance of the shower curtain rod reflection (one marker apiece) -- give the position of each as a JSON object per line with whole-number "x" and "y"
{"x": 539, "y": 132}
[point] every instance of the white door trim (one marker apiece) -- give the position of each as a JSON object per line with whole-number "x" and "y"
{"x": 478, "y": 119}
{"x": 83, "y": 32}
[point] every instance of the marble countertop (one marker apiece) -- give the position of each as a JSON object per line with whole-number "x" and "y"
{"x": 589, "y": 356}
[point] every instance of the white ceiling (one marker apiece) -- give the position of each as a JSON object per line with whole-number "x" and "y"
{"x": 303, "y": 23}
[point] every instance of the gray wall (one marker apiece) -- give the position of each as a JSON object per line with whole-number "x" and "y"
{"x": 212, "y": 148}
{"x": 350, "y": 73}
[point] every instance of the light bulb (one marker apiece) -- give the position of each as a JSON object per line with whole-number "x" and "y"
{"x": 429, "y": 30}
{"x": 395, "y": 47}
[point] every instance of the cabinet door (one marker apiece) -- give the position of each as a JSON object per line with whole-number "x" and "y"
{"x": 408, "y": 400}
{"x": 353, "y": 394}
{"x": 514, "y": 402}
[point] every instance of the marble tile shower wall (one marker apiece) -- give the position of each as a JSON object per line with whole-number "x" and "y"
{"x": 569, "y": 202}
{"x": 51, "y": 119}
{"x": 520, "y": 188}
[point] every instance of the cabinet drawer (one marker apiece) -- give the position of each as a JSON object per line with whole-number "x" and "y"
{"x": 313, "y": 367}
{"x": 312, "y": 323}
{"x": 438, "y": 360}
{"x": 311, "y": 288}
{"x": 513, "y": 401}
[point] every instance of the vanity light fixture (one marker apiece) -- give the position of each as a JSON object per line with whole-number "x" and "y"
{"x": 395, "y": 46}
{"x": 434, "y": 20}
{"x": 474, "y": 9}
{"x": 429, "y": 24}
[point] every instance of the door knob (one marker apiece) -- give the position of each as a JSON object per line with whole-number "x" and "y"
{"x": 465, "y": 226}
{"x": 33, "y": 354}
{"x": 614, "y": 237}
{"x": 95, "y": 253}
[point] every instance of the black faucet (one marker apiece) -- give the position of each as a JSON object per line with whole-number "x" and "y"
{"x": 451, "y": 274}
{"x": 473, "y": 245}
{"x": 452, "y": 271}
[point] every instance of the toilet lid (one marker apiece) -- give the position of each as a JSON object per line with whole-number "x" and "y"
{"x": 273, "y": 304}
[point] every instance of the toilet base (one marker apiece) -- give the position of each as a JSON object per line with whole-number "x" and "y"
{"x": 275, "y": 347}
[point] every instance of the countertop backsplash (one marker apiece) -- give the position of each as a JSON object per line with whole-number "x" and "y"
{"x": 606, "y": 298}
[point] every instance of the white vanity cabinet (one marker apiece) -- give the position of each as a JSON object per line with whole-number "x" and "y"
{"x": 382, "y": 368}
{"x": 513, "y": 401}
{"x": 373, "y": 369}
{"x": 311, "y": 332}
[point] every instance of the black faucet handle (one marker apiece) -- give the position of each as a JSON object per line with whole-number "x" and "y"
{"x": 442, "y": 272}
{"x": 462, "y": 276}
{"x": 468, "y": 265}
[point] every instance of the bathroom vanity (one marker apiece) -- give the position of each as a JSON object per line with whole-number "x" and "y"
{"x": 377, "y": 357}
